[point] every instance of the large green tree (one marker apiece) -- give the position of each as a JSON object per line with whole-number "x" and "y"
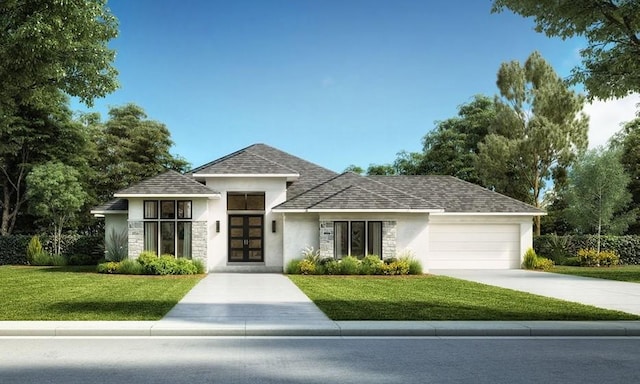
{"x": 36, "y": 134}
{"x": 611, "y": 61}
{"x": 451, "y": 148}
{"x": 630, "y": 159}
{"x": 539, "y": 129}
{"x": 598, "y": 195}
{"x": 56, "y": 195}
{"x": 129, "y": 147}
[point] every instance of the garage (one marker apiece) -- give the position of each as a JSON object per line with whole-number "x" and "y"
{"x": 474, "y": 246}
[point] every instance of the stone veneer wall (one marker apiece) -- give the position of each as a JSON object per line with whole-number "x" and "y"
{"x": 136, "y": 238}
{"x": 327, "y": 237}
{"x": 198, "y": 239}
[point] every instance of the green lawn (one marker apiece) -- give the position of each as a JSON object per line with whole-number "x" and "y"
{"x": 436, "y": 298}
{"x": 78, "y": 293}
{"x": 622, "y": 273}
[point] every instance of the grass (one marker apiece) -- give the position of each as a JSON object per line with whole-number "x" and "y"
{"x": 629, "y": 273}
{"x": 78, "y": 293}
{"x": 437, "y": 298}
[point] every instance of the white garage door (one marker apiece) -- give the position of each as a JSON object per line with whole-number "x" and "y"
{"x": 474, "y": 246}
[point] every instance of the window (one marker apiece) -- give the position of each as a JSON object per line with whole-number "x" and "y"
{"x": 253, "y": 201}
{"x": 167, "y": 227}
{"x": 357, "y": 238}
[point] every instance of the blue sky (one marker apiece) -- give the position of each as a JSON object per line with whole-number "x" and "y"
{"x": 334, "y": 82}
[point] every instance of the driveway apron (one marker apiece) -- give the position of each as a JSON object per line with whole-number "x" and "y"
{"x": 241, "y": 299}
{"x": 608, "y": 294}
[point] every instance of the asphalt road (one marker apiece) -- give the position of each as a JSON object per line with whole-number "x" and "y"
{"x": 319, "y": 360}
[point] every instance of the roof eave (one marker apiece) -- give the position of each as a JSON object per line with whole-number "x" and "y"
{"x": 211, "y": 196}
{"x": 353, "y": 210}
{"x": 288, "y": 176}
{"x": 491, "y": 213}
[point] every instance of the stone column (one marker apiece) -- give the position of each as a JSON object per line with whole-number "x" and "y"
{"x": 199, "y": 239}
{"x": 136, "y": 238}
{"x": 388, "y": 239}
{"x": 326, "y": 239}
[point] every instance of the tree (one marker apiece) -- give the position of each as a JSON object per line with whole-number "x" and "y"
{"x": 630, "y": 159}
{"x": 597, "y": 193}
{"x": 381, "y": 169}
{"x": 539, "y": 129}
{"x": 128, "y": 148}
{"x": 611, "y": 60}
{"x": 355, "y": 169}
{"x": 452, "y": 147}
{"x": 36, "y": 134}
{"x": 56, "y": 195}
{"x": 48, "y": 45}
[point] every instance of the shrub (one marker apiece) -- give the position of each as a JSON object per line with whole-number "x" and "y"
{"x": 626, "y": 247}
{"x": 415, "y": 267}
{"x": 34, "y": 248}
{"x": 332, "y": 267}
{"x": 58, "y": 260}
{"x": 163, "y": 265}
{"x": 532, "y": 261}
{"x": 349, "y": 265}
{"x": 130, "y": 267}
{"x": 591, "y": 258}
{"x": 312, "y": 255}
{"x": 571, "y": 261}
{"x": 200, "y": 267}
{"x": 147, "y": 257}
{"x": 42, "y": 258}
{"x": 293, "y": 267}
{"x": 397, "y": 267}
{"x": 307, "y": 267}
{"x": 108, "y": 267}
{"x": 371, "y": 265}
{"x": 116, "y": 246}
{"x": 82, "y": 259}
{"x": 184, "y": 267}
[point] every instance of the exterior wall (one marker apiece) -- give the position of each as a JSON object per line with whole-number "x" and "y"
{"x": 479, "y": 241}
{"x": 300, "y": 231}
{"x": 217, "y": 253}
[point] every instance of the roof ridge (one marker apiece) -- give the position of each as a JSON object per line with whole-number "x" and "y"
{"x": 274, "y": 162}
{"x": 312, "y": 189}
{"x": 330, "y": 196}
{"x": 291, "y": 155}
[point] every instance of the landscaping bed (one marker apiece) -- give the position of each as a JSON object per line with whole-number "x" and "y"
{"x": 431, "y": 297}
{"x": 79, "y": 293}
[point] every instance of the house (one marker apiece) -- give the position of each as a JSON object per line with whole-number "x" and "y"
{"x": 259, "y": 207}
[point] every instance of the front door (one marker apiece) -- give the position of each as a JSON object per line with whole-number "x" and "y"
{"x": 246, "y": 238}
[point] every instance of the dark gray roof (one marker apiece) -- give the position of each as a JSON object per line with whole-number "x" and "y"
{"x": 263, "y": 159}
{"x": 113, "y": 206}
{"x": 167, "y": 183}
{"x": 350, "y": 191}
{"x": 456, "y": 195}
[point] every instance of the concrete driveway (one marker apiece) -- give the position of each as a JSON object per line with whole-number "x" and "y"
{"x": 609, "y": 294}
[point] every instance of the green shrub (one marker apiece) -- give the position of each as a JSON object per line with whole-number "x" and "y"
{"x": 200, "y": 267}
{"x": 307, "y": 267}
{"x": 371, "y": 265}
{"x": 108, "y": 267}
{"x": 42, "y": 258}
{"x": 147, "y": 257}
{"x": 626, "y": 247}
{"x": 184, "y": 267}
{"x": 415, "y": 267}
{"x": 163, "y": 265}
{"x": 34, "y": 248}
{"x": 529, "y": 259}
{"x": 129, "y": 267}
{"x": 397, "y": 267}
{"x": 591, "y": 258}
{"x": 543, "y": 264}
{"x": 571, "y": 261}
{"x": 58, "y": 260}
{"x": 81, "y": 259}
{"x": 116, "y": 246}
{"x": 332, "y": 267}
{"x": 349, "y": 265}
{"x": 293, "y": 267}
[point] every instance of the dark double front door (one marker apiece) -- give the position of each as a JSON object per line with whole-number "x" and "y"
{"x": 246, "y": 239}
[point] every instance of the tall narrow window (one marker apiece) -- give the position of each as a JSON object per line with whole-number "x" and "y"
{"x": 151, "y": 236}
{"x": 374, "y": 239}
{"x": 357, "y": 239}
{"x": 184, "y": 209}
{"x": 341, "y": 233}
{"x": 150, "y": 209}
{"x": 183, "y": 244}
{"x": 167, "y": 238}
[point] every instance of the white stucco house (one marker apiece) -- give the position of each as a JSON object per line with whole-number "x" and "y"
{"x": 259, "y": 207}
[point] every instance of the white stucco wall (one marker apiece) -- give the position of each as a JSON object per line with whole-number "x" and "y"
{"x": 300, "y": 231}
{"x": 275, "y": 193}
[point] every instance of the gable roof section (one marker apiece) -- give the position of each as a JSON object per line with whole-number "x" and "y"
{"x": 351, "y": 192}
{"x": 261, "y": 159}
{"x": 457, "y": 196}
{"x": 168, "y": 184}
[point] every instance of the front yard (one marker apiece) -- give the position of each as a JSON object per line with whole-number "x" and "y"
{"x": 630, "y": 273}
{"x": 78, "y": 293}
{"x": 436, "y": 298}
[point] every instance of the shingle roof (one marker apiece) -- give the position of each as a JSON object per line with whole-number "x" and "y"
{"x": 168, "y": 183}
{"x": 349, "y": 191}
{"x": 456, "y": 195}
{"x": 112, "y": 206}
{"x": 263, "y": 159}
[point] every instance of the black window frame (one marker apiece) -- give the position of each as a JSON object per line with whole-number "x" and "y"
{"x": 368, "y": 246}
{"x": 246, "y": 201}
{"x": 173, "y": 218}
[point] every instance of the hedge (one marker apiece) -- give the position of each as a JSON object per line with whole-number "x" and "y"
{"x": 13, "y": 248}
{"x": 554, "y": 247}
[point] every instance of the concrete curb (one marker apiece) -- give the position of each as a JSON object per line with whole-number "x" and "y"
{"x": 324, "y": 329}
